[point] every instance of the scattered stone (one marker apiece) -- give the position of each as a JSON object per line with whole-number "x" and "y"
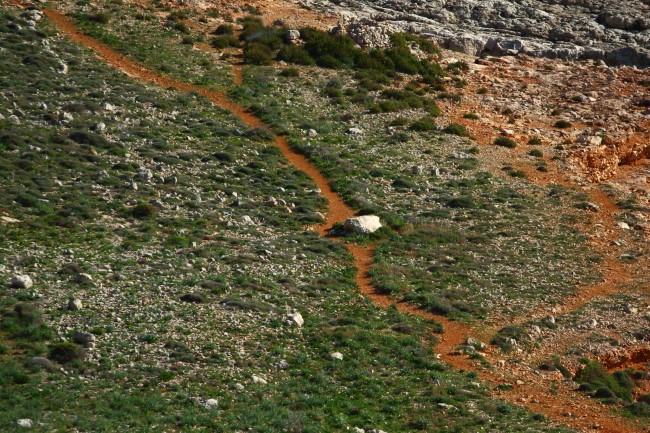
{"x": 248, "y": 220}
{"x": 295, "y": 318}
{"x": 21, "y": 282}
{"x": 257, "y": 379}
{"x": 336, "y": 355}
{"x": 82, "y": 338}
{"x": 592, "y": 323}
{"x": 416, "y": 169}
{"x": 239, "y": 387}
{"x": 211, "y": 403}
{"x": 623, "y": 225}
{"x": 74, "y": 304}
{"x": 355, "y": 131}
{"x": 363, "y": 224}
{"x": 25, "y": 423}
{"x": 447, "y": 406}
{"x": 283, "y": 364}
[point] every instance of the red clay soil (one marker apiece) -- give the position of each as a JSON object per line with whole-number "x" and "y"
{"x": 536, "y": 396}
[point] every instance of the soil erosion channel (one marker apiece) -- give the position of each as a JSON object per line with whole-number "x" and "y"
{"x": 537, "y": 397}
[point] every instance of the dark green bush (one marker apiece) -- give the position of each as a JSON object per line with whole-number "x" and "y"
{"x": 562, "y": 124}
{"x": 64, "y": 353}
{"x": 258, "y": 54}
{"x": 143, "y": 210}
{"x": 289, "y": 73}
{"x": 100, "y": 18}
{"x": 225, "y": 41}
{"x": 456, "y": 129}
{"x": 607, "y": 385}
{"x": 461, "y": 202}
{"x": 295, "y": 54}
{"x": 224, "y": 29}
{"x": 423, "y": 124}
{"x": 505, "y": 142}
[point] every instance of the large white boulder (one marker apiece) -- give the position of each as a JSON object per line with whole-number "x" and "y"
{"x": 362, "y": 224}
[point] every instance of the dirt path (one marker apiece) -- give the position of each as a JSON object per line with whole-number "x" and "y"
{"x": 538, "y": 396}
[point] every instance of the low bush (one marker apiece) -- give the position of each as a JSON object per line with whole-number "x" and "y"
{"x": 258, "y": 54}
{"x": 64, "y": 353}
{"x": 456, "y": 129}
{"x": 225, "y": 41}
{"x": 505, "y": 142}
{"x": 619, "y": 384}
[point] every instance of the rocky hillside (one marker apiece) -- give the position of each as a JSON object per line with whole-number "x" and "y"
{"x": 617, "y": 32}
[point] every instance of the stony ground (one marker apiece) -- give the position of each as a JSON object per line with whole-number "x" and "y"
{"x": 170, "y": 246}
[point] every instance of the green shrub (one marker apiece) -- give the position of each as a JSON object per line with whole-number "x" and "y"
{"x": 225, "y": 41}
{"x": 64, "y": 353}
{"x": 472, "y": 116}
{"x": 295, "y": 54}
{"x": 505, "y": 142}
{"x": 250, "y": 26}
{"x": 289, "y": 73}
{"x": 258, "y": 54}
{"x": 562, "y": 124}
{"x": 456, "y": 129}
{"x": 535, "y": 141}
{"x": 100, "y": 18}
{"x": 461, "y": 202}
{"x": 181, "y": 27}
{"x": 607, "y": 385}
{"x": 639, "y": 409}
{"x": 423, "y": 124}
{"x": 224, "y": 29}
{"x": 536, "y": 153}
{"x": 143, "y": 210}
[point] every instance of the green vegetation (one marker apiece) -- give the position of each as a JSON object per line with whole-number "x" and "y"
{"x": 594, "y": 378}
{"x": 167, "y": 206}
{"x": 456, "y": 129}
{"x": 505, "y": 142}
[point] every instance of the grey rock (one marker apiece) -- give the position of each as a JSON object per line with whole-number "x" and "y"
{"x": 21, "y": 282}
{"x": 83, "y": 338}
{"x": 292, "y": 36}
{"x": 74, "y": 305}
{"x": 613, "y": 31}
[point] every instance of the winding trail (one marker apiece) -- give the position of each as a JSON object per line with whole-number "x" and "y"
{"x": 539, "y": 397}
